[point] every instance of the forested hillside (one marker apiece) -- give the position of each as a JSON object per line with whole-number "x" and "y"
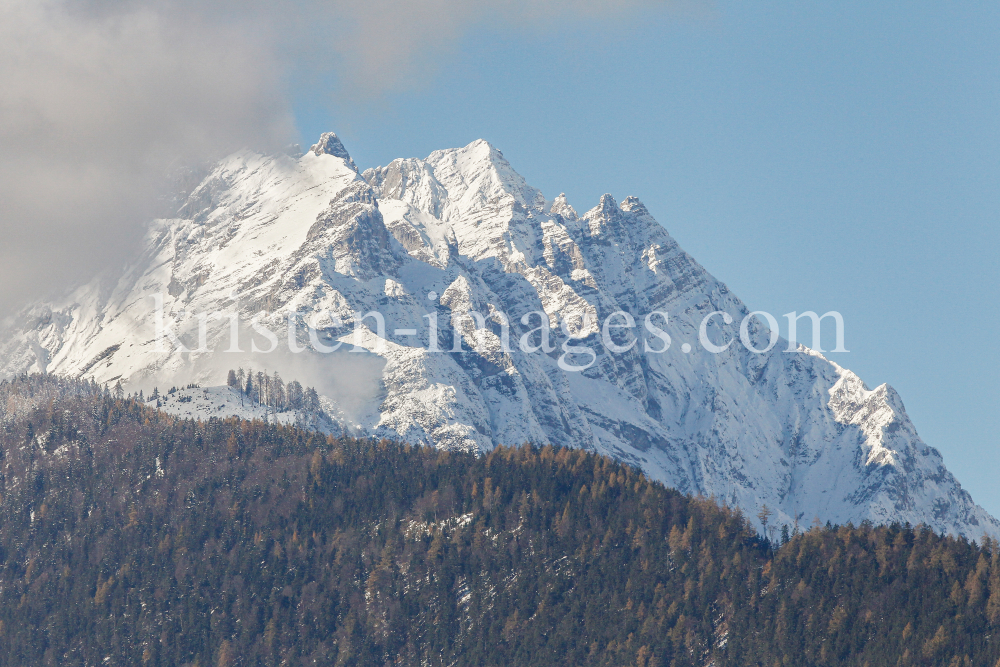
{"x": 128, "y": 537}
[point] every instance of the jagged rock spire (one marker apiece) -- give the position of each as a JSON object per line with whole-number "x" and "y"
{"x": 633, "y": 205}
{"x": 562, "y": 207}
{"x": 329, "y": 144}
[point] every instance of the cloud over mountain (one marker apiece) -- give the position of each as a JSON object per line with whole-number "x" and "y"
{"x": 102, "y": 99}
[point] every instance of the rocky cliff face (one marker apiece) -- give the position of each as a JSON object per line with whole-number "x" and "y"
{"x": 430, "y": 245}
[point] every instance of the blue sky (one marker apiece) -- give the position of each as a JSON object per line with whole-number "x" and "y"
{"x": 813, "y": 156}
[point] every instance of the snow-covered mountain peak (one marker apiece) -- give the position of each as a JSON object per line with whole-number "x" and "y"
{"x": 457, "y": 182}
{"x": 460, "y": 234}
{"x": 634, "y": 206}
{"x": 607, "y": 207}
{"x": 561, "y": 206}
{"x": 604, "y": 218}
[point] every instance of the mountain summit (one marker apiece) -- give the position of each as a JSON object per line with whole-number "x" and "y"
{"x": 272, "y": 242}
{"x": 329, "y": 144}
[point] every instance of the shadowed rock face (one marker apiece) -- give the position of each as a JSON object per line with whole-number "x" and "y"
{"x": 268, "y": 235}
{"x": 330, "y": 144}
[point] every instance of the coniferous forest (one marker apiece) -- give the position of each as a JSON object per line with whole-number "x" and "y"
{"x": 129, "y": 537}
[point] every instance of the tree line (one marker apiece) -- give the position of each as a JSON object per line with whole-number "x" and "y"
{"x": 269, "y": 390}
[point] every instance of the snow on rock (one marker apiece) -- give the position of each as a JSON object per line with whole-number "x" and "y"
{"x": 330, "y": 144}
{"x": 282, "y": 241}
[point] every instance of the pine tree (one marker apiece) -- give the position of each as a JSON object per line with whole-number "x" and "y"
{"x": 764, "y": 514}
{"x": 294, "y": 394}
{"x": 248, "y": 389}
{"x": 277, "y": 392}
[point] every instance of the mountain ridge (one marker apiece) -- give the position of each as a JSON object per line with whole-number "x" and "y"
{"x": 264, "y": 236}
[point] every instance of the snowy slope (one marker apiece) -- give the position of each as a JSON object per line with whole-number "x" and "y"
{"x": 205, "y": 403}
{"x": 461, "y": 231}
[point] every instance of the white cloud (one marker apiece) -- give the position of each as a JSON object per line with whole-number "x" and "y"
{"x": 94, "y": 108}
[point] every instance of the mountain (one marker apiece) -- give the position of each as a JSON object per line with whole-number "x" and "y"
{"x": 128, "y": 537}
{"x": 457, "y": 233}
